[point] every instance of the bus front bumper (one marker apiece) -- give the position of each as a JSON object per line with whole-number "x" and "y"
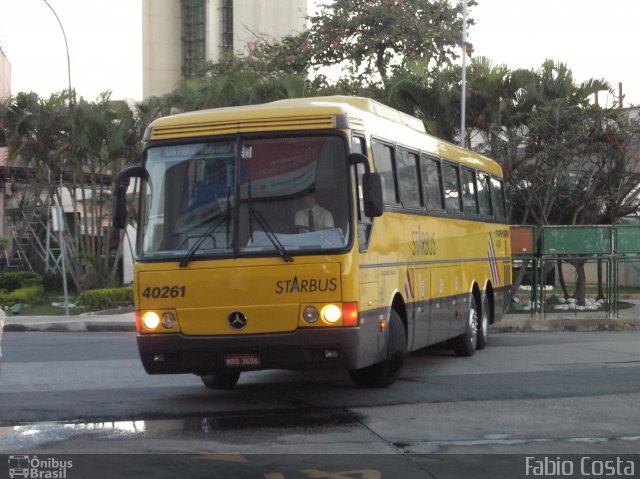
{"x": 313, "y": 348}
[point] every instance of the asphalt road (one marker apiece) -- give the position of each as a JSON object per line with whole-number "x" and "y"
{"x": 528, "y": 393}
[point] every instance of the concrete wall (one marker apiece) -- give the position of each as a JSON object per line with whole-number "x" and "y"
{"x": 161, "y": 48}
{"x": 266, "y": 19}
{"x": 252, "y": 20}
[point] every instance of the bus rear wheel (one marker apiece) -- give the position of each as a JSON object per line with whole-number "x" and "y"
{"x": 383, "y": 374}
{"x": 483, "y": 327}
{"x": 467, "y": 343}
{"x": 224, "y": 380}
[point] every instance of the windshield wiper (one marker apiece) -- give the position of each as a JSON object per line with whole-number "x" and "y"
{"x": 216, "y": 221}
{"x": 268, "y": 231}
{"x": 220, "y": 217}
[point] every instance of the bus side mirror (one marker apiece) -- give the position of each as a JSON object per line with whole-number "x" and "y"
{"x": 119, "y": 206}
{"x": 372, "y": 194}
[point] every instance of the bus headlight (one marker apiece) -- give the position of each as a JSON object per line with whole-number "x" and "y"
{"x": 168, "y": 320}
{"x": 331, "y": 313}
{"x": 310, "y": 314}
{"x": 151, "y": 320}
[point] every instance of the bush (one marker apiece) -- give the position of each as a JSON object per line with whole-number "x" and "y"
{"x": 24, "y": 295}
{"x": 20, "y": 287}
{"x": 106, "y": 298}
{"x": 12, "y": 280}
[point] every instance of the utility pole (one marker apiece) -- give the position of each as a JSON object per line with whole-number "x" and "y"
{"x": 463, "y": 93}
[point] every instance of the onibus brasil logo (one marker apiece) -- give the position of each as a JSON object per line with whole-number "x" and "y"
{"x": 34, "y": 467}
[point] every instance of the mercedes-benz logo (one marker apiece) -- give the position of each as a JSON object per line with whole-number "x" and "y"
{"x": 237, "y": 320}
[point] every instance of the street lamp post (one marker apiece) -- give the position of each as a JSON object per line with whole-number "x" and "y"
{"x": 66, "y": 45}
{"x": 463, "y": 93}
{"x": 57, "y": 212}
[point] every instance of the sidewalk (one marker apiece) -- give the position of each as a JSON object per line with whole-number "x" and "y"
{"x": 627, "y": 319}
{"x": 74, "y": 324}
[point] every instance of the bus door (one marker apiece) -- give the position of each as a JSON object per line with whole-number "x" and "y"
{"x": 440, "y": 304}
{"x": 419, "y": 288}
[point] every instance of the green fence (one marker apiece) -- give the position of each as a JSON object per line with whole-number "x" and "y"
{"x": 605, "y": 245}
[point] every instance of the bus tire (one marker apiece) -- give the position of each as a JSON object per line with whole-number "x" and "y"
{"x": 465, "y": 344}
{"x": 483, "y": 327}
{"x": 224, "y": 380}
{"x": 384, "y": 373}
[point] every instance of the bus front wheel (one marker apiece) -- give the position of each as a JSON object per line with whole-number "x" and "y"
{"x": 384, "y": 373}
{"x": 225, "y": 380}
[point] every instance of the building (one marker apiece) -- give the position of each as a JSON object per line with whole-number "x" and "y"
{"x": 181, "y": 35}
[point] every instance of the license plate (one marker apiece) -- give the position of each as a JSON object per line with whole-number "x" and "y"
{"x": 242, "y": 361}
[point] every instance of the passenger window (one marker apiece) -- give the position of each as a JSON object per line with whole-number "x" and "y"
{"x": 384, "y": 162}
{"x": 469, "y": 198}
{"x": 432, "y": 183}
{"x": 451, "y": 188}
{"x": 484, "y": 195}
{"x": 409, "y": 179}
{"x": 497, "y": 196}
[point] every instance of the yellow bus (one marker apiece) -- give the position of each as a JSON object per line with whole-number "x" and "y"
{"x": 311, "y": 233}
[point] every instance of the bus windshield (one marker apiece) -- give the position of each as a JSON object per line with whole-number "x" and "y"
{"x": 253, "y": 196}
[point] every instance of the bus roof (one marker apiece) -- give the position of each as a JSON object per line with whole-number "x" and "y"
{"x": 328, "y": 112}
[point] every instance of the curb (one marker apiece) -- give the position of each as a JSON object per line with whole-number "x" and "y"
{"x": 509, "y": 325}
{"x": 71, "y": 327}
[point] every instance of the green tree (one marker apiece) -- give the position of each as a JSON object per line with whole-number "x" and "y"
{"x": 103, "y": 139}
{"x": 372, "y": 37}
{"x": 74, "y": 146}
{"x": 35, "y": 131}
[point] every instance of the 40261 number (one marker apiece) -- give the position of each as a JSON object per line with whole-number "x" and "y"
{"x": 156, "y": 292}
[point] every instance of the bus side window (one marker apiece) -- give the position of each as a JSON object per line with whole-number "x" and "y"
{"x": 432, "y": 183}
{"x": 451, "y": 182}
{"x": 358, "y": 145}
{"x": 409, "y": 179}
{"x": 497, "y": 196}
{"x": 383, "y": 158}
{"x": 469, "y": 197}
{"x": 484, "y": 195}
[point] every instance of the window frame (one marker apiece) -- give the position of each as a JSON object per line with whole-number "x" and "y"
{"x": 394, "y": 172}
{"x": 456, "y": 168}
{"x": 413, "y": 156}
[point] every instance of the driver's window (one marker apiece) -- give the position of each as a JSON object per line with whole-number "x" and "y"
{"x": 358, "y": 145}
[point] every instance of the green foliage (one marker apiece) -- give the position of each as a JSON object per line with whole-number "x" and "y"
{"x": 373, "y": 37}
{"x": 24, "y": 295}
{"x": 106, "y": 298}
{"x": 12, "y": 280}
{"x": 20, "y": 287}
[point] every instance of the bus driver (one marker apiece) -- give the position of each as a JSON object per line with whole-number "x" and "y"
{"x": 312, "y": 216}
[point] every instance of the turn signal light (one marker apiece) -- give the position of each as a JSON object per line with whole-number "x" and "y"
{"x": 350, "y": 314}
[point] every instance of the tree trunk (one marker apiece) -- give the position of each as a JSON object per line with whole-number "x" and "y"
{"x": 561, "y": 280}
{"x": 600, "y": 295}
{"x": 581, "y": 284}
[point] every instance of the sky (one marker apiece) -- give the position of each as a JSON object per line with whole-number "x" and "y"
{"x": 595, "y": 40}
{"x": 104, "y": 39}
